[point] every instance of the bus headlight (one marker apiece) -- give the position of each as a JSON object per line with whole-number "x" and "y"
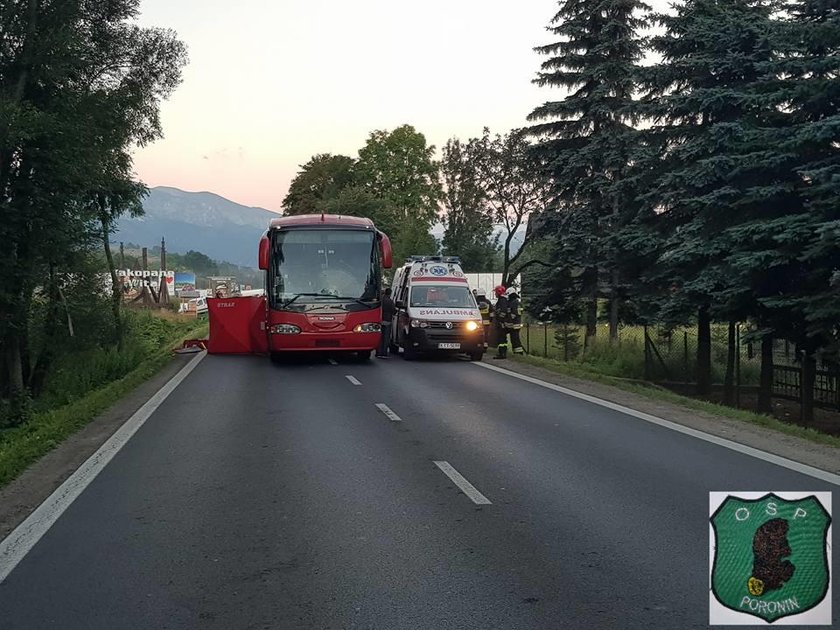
{"x": 284, "y": 329}
{"x": 419, "y": 323}
{"x": 472, "y": 325}
{"x": 368, "y": 328}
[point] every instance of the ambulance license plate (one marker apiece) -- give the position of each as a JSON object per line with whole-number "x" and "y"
{"x": 449, "y": 346}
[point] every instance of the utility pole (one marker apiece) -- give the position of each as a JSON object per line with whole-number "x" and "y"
{"x": 163, "y": 289}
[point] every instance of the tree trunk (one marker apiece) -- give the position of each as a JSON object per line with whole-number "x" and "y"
{"x": 704, "y": 352}
{"x": 615, "y": 301}
{"x": 70, "y": 329}
{"x": 591, "y": 318}
{"x": 47, "y": 354}
{"x": 590, "y": 290}
{"x": 506, "y": 261}
{"x": 25, "y": 356}
{"x": 807, "y": 380}
{"x": 27, "y": 55}
{"x": 14, "y": 368}
{"x": 765, "y": 385}
{"x": 116, "y": 289}
{"x": 729, "y": 378}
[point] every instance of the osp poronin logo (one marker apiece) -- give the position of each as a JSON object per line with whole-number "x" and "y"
{"x": 771, "y": 556}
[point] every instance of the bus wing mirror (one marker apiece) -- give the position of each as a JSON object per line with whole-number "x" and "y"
{"x": 387, "y": 252}
{"x": 264, "y": 245}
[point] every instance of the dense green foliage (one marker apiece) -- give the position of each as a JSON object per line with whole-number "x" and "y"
{"x": 586, "y": 138}
{"x": 486, "y": 191}
{"x": 704, "y": 186}
{"x": 80, "y": 85}
{"x": 469, "y": 227}
{"x": 393, "y": 181}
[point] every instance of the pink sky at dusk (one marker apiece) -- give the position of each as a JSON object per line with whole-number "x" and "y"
{"x": 272, "y": 83}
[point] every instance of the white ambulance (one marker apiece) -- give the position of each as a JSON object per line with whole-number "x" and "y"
{"x": 436, "y": 310}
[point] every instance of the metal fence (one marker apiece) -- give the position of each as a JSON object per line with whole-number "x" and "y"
{"x": 669, "y": 356}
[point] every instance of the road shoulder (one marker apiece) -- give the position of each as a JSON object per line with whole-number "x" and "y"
{"x": 25, "y": 493}
{"x": 822, "y": 456}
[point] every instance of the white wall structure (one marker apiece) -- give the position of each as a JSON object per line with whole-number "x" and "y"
{"x": 487, "y": 281}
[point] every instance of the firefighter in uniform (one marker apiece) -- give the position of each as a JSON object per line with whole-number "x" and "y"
{"x": 500, "y": 320}
{"x": 514, "y": 321}
{"x": 486, "y": 310}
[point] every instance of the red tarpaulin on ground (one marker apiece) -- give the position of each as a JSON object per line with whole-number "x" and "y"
{"x": 237, "y": 325}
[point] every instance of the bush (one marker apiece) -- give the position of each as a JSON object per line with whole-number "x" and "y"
{"x": 15, "y": 411}
{"x": 567, "y": 339}
{"x": 77, "y": 373}
{"x": 625, "y": 359}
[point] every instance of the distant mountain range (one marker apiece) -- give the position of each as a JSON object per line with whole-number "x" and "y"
{"x": 199, "y": 221}
{"x": 210, "y": 224}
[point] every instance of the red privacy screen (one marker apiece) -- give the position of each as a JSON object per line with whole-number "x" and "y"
{"x": 237, "y": 325}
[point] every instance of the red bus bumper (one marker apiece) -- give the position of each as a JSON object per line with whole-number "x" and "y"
{"x": 324, "y": 341}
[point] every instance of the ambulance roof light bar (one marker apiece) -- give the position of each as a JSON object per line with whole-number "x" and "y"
{"x": 445, "y": 259}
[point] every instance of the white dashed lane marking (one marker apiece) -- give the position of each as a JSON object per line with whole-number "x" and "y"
{"x": 387, "y": 411}
{"x": 465, "y": 486}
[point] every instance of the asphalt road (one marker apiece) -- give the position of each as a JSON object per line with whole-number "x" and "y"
{"x": 282, "y": 496}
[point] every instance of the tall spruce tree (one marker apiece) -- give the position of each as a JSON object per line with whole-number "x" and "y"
{"x": 586, "y": 138}
{"x": 807, "y": 89}
{"x": 795, "y": 250}
{"x": 710, "y": 185}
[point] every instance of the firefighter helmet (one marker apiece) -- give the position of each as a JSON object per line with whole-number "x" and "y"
{"x": 499, "y": 290}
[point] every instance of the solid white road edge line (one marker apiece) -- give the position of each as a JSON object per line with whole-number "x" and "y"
{"x": 17, "y": 544}
{"x": 735, "y": 446}
{"x": 352, "y": 379}
{"x": 387, "y": 411}
{"x": 465, "y": 486}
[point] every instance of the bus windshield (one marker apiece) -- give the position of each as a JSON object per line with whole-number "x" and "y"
{"x": 442, "y": 295}
{"x": 313, "y": 269}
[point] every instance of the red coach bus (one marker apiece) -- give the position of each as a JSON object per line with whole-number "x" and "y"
{"x": 323, "y": 283}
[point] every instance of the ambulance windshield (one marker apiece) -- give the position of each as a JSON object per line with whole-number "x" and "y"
{"x": 442, "y": 295}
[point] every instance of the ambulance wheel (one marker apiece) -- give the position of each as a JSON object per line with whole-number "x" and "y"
{"x": 476, "y": 356}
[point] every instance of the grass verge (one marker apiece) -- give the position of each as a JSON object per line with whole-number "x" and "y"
{"x": 23, "y": 445}
{"x": 654, "y": 392}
